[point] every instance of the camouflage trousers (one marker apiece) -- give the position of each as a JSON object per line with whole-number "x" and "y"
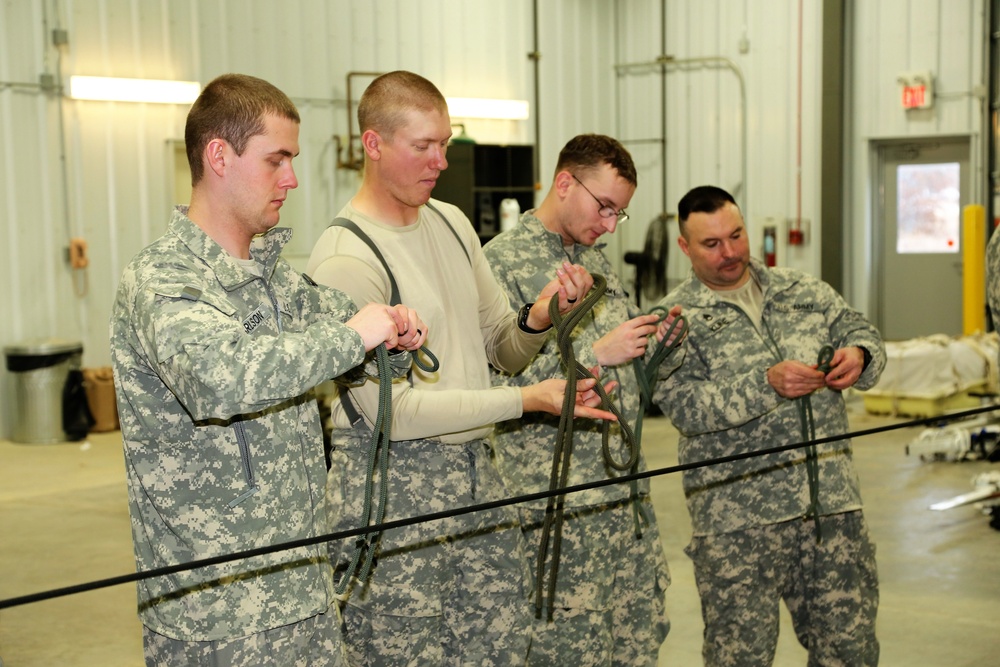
{"x": 451, "y": 591}
{"x": 313, "y": 642}
{"x": 829, "y": 586}
{"x": 610, "y": 589}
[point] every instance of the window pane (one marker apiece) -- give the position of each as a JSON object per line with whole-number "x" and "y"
{"x": 927, "y": 209}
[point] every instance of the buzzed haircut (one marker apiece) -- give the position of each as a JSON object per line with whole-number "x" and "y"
{"x": 232, "y": 107}
{"x": 702, "y": 199}
{"x": 384, "y": 104}
{"x": 587, "y": 152}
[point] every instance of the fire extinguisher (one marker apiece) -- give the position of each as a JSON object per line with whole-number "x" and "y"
{"x": 770, "y": 237}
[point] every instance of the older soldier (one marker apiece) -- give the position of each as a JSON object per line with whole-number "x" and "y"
{"x": 216, "y": 345}
{"x": 611, "y": 580}
{"x": 452, "y": 591}
{"x": 784, "y": 526}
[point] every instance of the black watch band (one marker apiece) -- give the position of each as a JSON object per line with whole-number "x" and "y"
{"x": 522, "y": 320}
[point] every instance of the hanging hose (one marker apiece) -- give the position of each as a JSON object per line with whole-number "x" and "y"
{"x": 809, "y": 433}
{"x": 563, "y": 450}
{"x": 378, "y": 458}
{"x": 646, "y": 375}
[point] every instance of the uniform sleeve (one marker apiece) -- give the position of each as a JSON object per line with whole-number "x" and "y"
{"x": 508, "y": 348}
{"x": 697, "y": 405}
{"x": 204, "y": 356}
{"x": 849, "y": 328}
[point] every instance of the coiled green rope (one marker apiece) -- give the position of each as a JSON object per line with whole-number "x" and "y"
{"x": 378, "y": 458}
{"x": 562, "y": 454}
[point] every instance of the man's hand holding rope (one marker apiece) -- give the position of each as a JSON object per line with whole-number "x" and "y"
{"x": 550, "y": 396}
{"x": 571, "y": 283}
{"x": 396, "y": 326}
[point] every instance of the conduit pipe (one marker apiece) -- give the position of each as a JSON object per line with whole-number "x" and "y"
{"x": 352, "y": 161}
{"x": 665, "y": 63}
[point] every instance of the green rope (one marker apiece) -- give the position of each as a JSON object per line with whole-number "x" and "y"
{"x": 562, "y": 454}
{"x": 809, "y": 433}
{"x": 646, "y": 375}
{"x": 378, "y": 459}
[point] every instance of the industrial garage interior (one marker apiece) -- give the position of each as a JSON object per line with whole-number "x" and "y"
{"x": 937, "y": 569}
{"x": 839, "y": 126}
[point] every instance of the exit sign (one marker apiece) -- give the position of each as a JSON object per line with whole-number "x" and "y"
{"x": 914, "y": 97}
{"x": 917, "y": 89}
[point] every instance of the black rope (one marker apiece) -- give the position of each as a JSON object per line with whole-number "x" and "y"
{"x": 445, "y": 514}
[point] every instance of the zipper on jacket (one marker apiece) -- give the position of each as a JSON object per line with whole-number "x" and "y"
{"x": 241, "y": 435}
{"x": 244, "y": 446}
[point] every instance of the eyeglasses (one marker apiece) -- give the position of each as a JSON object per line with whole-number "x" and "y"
{"x": 606, "y": 211}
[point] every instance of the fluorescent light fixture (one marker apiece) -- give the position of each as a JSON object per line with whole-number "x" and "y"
{"x": 471, "y": 107}
{"x": 133, "y": 90}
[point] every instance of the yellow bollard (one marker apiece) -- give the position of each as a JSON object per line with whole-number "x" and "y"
{"x": 974, "y": 269}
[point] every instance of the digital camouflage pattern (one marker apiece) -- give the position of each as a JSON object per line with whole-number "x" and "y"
{"x": 610, "y": 590}
{"x": 993, "y": 278}
{"x": 463, "y": 578}
{"x": 314, "y": 642}
{"x": 751, "y": 547}
{"x": 214, "y": 370}
{"x": 608, "y": 612}
{"x": 830, "y": 587}
{"x": 524, "y": 259}
{"x": 721, "y": 403}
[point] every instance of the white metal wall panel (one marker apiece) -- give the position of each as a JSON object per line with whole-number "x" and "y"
{"x": 895, "y": 36}
{"x": 103, "y": 171}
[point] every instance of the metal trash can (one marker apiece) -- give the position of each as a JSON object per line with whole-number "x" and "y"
{"x": 39, "y": 371}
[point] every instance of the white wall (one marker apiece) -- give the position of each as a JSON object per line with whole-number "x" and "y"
{"x": 102, "y": 171}
{"x": 946, "y": 37}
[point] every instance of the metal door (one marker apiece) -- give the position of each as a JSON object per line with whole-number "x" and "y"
{"x": 918, "y": 237}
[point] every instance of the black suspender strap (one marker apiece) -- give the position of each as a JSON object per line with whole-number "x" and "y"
{"x": 394, "y": 299}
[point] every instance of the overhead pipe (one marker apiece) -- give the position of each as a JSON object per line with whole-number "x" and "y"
{"x": 355, "y": 162}
{"x": 665, "y": 62}
{"x": 535, "y": 56}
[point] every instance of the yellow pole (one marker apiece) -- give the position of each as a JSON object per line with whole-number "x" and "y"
{"x": 974, "y": 269}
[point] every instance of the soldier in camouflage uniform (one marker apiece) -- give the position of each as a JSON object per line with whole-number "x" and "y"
{"x": 609, "y": 605}
{"x": 216, "y": 345}
{"x": 993, "y": 278}
{"x": 784, "y": 526}
{"x": 452, "y": 591}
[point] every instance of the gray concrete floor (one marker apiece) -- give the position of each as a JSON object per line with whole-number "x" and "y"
{"x": 64, "y": 522}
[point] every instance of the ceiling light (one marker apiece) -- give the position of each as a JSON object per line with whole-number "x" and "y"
{"x": 133, "y": 90}
{"x": 470, "y": 107}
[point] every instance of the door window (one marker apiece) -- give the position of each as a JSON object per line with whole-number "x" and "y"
{"x": 928, "y": 208}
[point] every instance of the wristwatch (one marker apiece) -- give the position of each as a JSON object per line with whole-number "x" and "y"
{"x": 522, "y": 320}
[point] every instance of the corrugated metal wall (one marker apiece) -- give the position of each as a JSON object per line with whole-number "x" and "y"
{"x": 104, "y": 171}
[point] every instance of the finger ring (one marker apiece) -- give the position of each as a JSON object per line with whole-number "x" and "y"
{"x": 419, "y": 332}
{"x": 571, "y": 300}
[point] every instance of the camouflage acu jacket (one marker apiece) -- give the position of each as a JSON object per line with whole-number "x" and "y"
{"x": 524, "y": 259}
{"x": 720, "y": 401}
{"x": 214, "y": 369}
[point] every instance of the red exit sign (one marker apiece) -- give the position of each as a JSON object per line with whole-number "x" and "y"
{"x": 914, "y": 97}
{"x": 917, "y": 90}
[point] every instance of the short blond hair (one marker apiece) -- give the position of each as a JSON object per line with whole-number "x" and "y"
{"x": 384, "y": 103}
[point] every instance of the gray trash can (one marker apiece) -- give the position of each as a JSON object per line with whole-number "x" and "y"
{"x": 39, "y": 370}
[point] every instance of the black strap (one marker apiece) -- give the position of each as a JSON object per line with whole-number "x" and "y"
{"x": 452, "y": 230}
{"x": 394, "y": 299}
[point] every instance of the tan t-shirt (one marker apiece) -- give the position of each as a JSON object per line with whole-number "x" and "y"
{"x": 470, "y": 322}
